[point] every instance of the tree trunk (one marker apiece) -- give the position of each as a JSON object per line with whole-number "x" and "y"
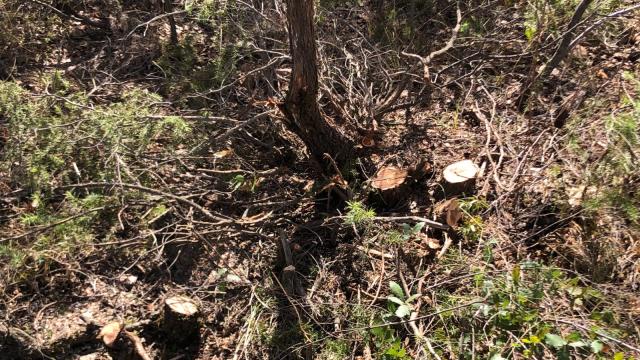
{"x": 561, "y": 52}
{"x": 319, "y": 133}
{"x": 378, "y": 19}
{"x": 168, "y": 8}
{"x": 565, "y": 47}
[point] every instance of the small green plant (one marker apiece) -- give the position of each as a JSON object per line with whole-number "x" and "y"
{"x": 240, "y": 182}
{"x": 472, "y": 228}
{"x": 610, "y": 178}
{"x": 237, "y": 181}
{"x": 472, "y": 224}
{"x": 335, "y": 350}
{"x": 370, "y": 324}
{"x": 409, "y": 231}
{"x": 395, "y": 237}
{"x": 512, "y": 315}
{"x": 399, "y": 304}
{"x": 69, "y": 229}
{"x": 358, "y": 214}
{"x": 388, "y": 343}
{"x": 473, "y": 205}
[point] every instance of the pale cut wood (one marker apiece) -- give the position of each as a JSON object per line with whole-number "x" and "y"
{"x": 389, "y": 177}
{"x": 109, "y": 333}
{"x": 460, "y": 178}
{"x": 391, "y": 182}
{"x": 181, "y": 319}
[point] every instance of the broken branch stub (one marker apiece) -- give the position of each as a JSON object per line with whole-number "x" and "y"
{"x": 181, "y": 319}
{"x": 109, "y": 333}
{"x": 460, "y": 178}
{"x": 391, "y": 182}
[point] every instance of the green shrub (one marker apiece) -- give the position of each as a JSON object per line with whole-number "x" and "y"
{"x": 55, "y": 140}
{"x": 358, "y": 214}
{"x": 64, "y": 139}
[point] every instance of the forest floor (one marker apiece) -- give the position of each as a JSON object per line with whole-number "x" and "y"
{"x": 133, "y": 170}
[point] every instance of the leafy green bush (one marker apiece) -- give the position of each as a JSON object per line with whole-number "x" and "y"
{"x": 62, "y": 138}
{"x": 616, "y": 173}
{"x": 512, "y": 316}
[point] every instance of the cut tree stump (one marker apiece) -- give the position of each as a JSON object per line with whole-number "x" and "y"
{"x": 391, "y": 182}
{"x": 459, "y": 178}
{"x": 181, "y": 319}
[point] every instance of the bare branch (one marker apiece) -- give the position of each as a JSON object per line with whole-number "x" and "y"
{"x": 74, "y": 16}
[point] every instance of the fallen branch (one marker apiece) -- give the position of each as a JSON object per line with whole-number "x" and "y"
{"x": 137, "y": 345}
{"x": 428, "y": 222}
{"x": 393, "y": 96}
{"x": 156, "y": 18}
{"x": 74, "y": 16}
{"x": 242, "y": 125}
{"x": 235, "y": 171}
{"x": 567, "y": 40}
{"x": 374, "y": 252}
{"x": 601, "y": 21}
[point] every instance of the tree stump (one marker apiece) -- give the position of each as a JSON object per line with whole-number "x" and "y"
{"x": 291, "y": 282}
{"x": 181, "y": 319}
{"x": 459, "y": 178}
{"x": 391, "y": 182}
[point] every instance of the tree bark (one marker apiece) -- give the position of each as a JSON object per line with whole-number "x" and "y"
{"x": 378, "y": 19}
{"x": 168, "y": 8}
{"x": 561, "y": 52}
{"x": 180, "y": 321}
{"x": 565, "y": 47}
{"x": 320, "y": 134}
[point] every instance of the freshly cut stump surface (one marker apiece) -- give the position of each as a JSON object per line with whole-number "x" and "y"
{"x": 391, "y": 181}
{"x": 181, "y": 319}
{"x": 460, "y": 177}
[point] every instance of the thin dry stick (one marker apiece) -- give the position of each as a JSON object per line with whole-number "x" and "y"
{"x": 384, "y": 105}
{"x": 447, "y": 243}
{"x": 242, "y": 125}
{"x": 147, "y": 23}
{"x": 428, "y": 222}
{"x": 417, "y": 332}
{"x": 375, "y": 296}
